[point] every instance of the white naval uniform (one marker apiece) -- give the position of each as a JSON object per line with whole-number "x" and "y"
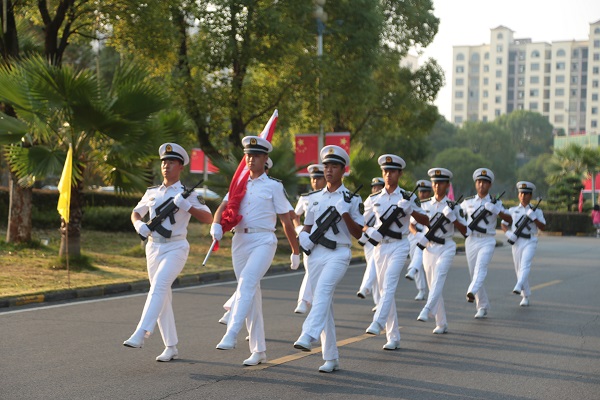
{"x": 327, "y": 267}
{"x": 369, "y": 281}
{"x": 252, "y": 249}
{"x": 437, "y": 259}
{"x": 165, "y": 258}
{"x": 416, "y": 258}
{"x": 479, "y": 248}
{"x": 305, "y": 293}
{"x": 524, "y": 249}
{"x": 390, "y": 255}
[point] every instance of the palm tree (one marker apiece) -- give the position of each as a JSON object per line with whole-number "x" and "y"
{"x": 114, "y": 128}
{"x": 574, "y": 161}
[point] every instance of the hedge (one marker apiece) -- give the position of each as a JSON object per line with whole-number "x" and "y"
{"x": 102, "y": 211}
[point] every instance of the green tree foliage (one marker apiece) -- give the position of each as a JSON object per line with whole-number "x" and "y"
{"x": 535, "y": 171}
{"x": 462, "y": 162}
{"x": 530, "y": 132}
{"x": 564, "y": 194}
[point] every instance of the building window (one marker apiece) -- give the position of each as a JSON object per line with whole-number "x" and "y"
{"x": 575, "y": 53}
{"x": 475, "y": 57}
{"x": 486, "y": 56}
{"x": 560, "y": 66}
{"x": 534, "y": 93}
{"x": 499, "y": 48}
{"x": 498, "y": 60}
{"x": 594, "y": 84}
{"x": 460, "y": 81}
{"x": 597, "y": 30}
{"x": 498, "y": 86}
{"x": 458, "y": 107}
{"x": 574, "y": 66}
{"x": 499, "y": 74}
{"x": 594, "y": 123}
{"x": 460, "y": 57}
{"x": 484, "y": 119}
{"x": 560, "y": 53}
{"x": 498, "y": 100}
{"x": 520, "y": 82}
{"x": 497, "y": 112}
{"x": 594, "y": 97}
{"x": 559, "y": 105}
{"x": 460, "y": 69}
{"x": 560, "y": 79}
{"x": 486, "y": 81}
{"x": 534, "y": 79}
{"x": 597, "y": 44}
{"x": 574, "y": 79}
{"x": 535, "y": 66}
{"x": 559, "y": 92}
{"x": 533, "y": 105}
{"x": 573, "y": 92}
{"x": 595, "y": 70}
{"x": 519, "y": 106}
{"x": 520, "y": 94}
{"x": 485, "y": 106}
{"x": 559, "y": 118}
{"x": 458, "y": 120}
{"x": 459, "y": 94}
{"x": 594, "y": 110}
{"x": 521, "y": 68}
{"x": 535, "y": 54}
{"x": 499, "y": 36}
{"x": 486, "y": 68}
{"x": 485, "y": 94}
{"x": 596, "y": 56}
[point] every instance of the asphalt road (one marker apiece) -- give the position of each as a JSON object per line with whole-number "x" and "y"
{"x": 550, "y": 350}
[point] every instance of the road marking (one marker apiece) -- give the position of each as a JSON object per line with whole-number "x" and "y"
{"x": 543, "y": 285}
{"x": 316, "y": 350}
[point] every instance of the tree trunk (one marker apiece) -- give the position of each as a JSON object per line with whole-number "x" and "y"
{"x": 74, "y": 226}
{"x": 9, "y": 40}
{"x": 19, "y": 213}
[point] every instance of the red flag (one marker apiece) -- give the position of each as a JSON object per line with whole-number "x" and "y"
{"x": 307, "y": 151}
{"x": 451, "y": 192}
{"x": 197, "y": 163}
{"x": 580, "y": 206}
{"x": 341, "y": 139}
{"x": 237, "y": 189}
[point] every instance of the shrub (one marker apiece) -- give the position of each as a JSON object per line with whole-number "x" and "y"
{"x": 569, "y": 223}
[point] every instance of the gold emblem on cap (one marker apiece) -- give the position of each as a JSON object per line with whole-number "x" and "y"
{"x": 331, "y": 150}
{"x": 314, "y": 169}
{"x": 375, "y": 180}
{"x": 523, "y": 186}
{"x": 438, "y": 172}
{"x": 253, "y": 141}
{"x": 484, "y": 172}
{"x": 421, "y": 183}
{"x": 169, "y": 148}
{"x": 388, "y": 159}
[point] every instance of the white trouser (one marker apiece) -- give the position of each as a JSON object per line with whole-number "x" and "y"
{"x": 164, "y": 261}
{"x": 252, "y": 254}
{"x": 416, "y": 263}
{"x": 369, "y": 281}
{"x": 479, "y": 254}
{"x": 229, "y": 302}
{"x": 389, "y": 260}
{"x": 326, "y": 268}
{"x": 305, "y": 293}
{"x": 437, "y": 260}
{"x": 523, "y": 251}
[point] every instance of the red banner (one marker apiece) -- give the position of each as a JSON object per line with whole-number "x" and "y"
{"x": 307, "y": 151}
{"x": 341, "y": 139}
{"x": 587, "y": 184}
{"x": 197, "y": 163}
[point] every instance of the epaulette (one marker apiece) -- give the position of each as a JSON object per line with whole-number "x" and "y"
{"x": 471, "y": 197}
{"x": 309, "y": 193}
{"x": 376, "y": 193}
{"x": 426, "y": 200}
{"x": 153, "y": 187}
{"x": 275, "y": 179}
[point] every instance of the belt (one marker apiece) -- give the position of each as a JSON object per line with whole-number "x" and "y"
{"x": 253, "y": 230}
{"x": 481, "y": 235}
{"x": 390, "y": 240}
{"x": 161, "y": 239}
{"x": 338, "y": 245}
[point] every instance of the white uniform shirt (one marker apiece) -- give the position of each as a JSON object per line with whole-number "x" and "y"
{"x": 318, "y": 204}
{"x": 432, "y": 207}
{"x": 472, "y": 204}
{"x": 264, "y": 199}
{"x": 378, "y": 203}
{"x": 157, "y": 195}
{"x": 519, "y": 211}
{"x": 303, "y": 201}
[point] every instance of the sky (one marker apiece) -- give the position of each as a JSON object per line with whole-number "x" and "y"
{"x": 468, "y": 23}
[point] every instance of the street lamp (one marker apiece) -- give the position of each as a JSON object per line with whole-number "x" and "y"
{"x": 321, "y": 17}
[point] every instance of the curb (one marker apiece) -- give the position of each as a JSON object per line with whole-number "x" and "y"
{"x": 137, "y": 286}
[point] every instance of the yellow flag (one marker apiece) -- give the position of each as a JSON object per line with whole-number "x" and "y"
{"x": 64, "y": 187}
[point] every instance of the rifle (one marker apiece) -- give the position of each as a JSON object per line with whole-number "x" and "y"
{"x": 482, "y": 214}
{"x": 439, "y": 225}
{"x": 523, "y": 223}
{"x": 328, "y": 219}
{"x": 392, "y": 215}
{"x": 166, "y": 210}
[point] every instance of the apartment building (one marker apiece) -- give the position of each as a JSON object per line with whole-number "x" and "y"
{"x": 559, "y": 80}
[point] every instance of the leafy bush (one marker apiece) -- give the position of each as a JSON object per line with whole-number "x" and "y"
{"x": 569, "y": 223}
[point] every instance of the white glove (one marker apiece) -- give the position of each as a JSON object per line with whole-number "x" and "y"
{"x": 305, "y": 241}
{"x": 182, "y": 202}
{"x": 342, "y": 207}
{"x": 449, "y": 214}
{"x": 298, "y": 229}
{"x": 469, "y": 232}
{"x": 531, "y": 214}
{"x": 491, "y": 207}
{"x": 510, "y": 236}
{"x": 374, "y": 235}
{"x": 295, "y": 261}
{"x": 421, "y": 239}
{"x": 363, "y": 239}
{"x": 142, "y": 228}
{"x": 216, "y": 231}
{"x": 406, "y": 206}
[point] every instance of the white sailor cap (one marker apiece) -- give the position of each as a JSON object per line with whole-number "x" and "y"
{"x": 391, "y": 161}
{"x": 173, "y": 151}
{"x": 316, "y": 170}
{"x": 483, "y": 173}
{"x": 525, "y": 187}
{"x": 269, "y": 163}
{"x": 256, "y": 145}
{"x": 377, "y": 181}
{"x": 335, "y": 154}
{"x": 423, "y": 185}
{"x": 440, "y": 174}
